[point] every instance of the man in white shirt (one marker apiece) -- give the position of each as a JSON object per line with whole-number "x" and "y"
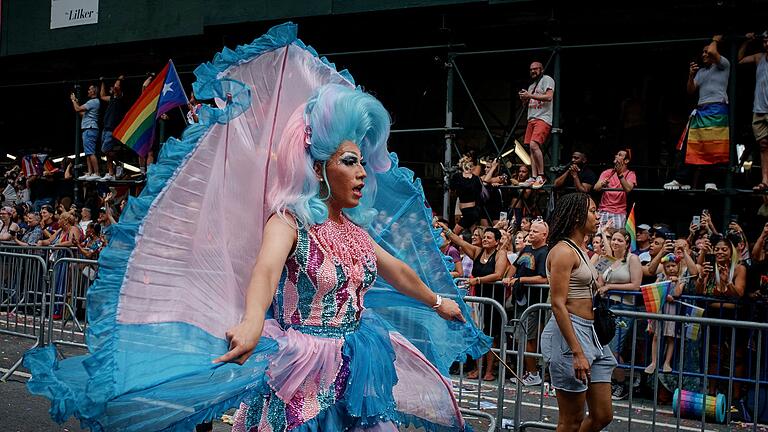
{"x": 539, "y": 99}
{"x": 760, "y": 103}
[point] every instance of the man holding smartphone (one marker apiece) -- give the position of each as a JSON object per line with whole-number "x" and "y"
{"x": 538, "y": 97}
{"x": 705, "y": 141}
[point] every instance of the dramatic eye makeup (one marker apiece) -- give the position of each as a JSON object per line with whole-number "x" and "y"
{"x": 351, "y": 159}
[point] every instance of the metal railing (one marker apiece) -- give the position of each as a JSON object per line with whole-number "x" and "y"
{"x": 688, "y": 382}
{"x": 67, "y": 318}
{"x": 22, "y": 299}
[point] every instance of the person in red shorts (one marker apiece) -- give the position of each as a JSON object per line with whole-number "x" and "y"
{"x": 539, "y": 98}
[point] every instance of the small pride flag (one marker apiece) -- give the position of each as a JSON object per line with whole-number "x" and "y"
{"x": 630, "y": 227}
{"x": 692, "y": 330}
{"x": 655, "y": 295}
{"x": 137, "y": 130}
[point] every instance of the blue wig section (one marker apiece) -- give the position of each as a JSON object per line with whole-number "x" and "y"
{"x": 123, "y": 384}
{"x": 336, "y": 114}
{"x": 403, "y": 228}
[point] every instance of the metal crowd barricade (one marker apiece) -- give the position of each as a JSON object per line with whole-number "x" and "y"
{"x": 689, "y": 375}
{"x": 22, "y": 299}
{"x": 67, "y": 319}
{"x": 46, "y": 252}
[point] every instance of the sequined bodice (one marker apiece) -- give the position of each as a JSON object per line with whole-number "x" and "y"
{"x": 323, "y": 282}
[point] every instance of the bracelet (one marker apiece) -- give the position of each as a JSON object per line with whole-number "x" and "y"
{"x": 438, "y": 302}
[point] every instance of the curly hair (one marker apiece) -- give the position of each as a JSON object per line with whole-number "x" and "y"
{"x": 569, "y": 215}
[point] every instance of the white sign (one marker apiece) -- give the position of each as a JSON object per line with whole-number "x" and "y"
{"x": 68, "y": 13}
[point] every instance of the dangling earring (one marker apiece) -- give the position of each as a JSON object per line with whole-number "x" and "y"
{"x": 324, "y": 179}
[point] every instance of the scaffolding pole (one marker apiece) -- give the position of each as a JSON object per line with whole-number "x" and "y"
{"x": 448, "y": 133}
{"x": 732, "y": 158}
{"x": 78, "y": 138}
{"x": 556, "y": 131}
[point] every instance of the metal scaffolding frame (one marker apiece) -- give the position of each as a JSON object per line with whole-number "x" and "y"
{"x": 556, "y": 49}
{"x": 452, "y": 71}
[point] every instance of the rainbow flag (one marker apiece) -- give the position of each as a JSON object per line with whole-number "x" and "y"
{"x": 630, "y": 227}
{"x": 708, "y": 135}
{"x": 165, "y": 92}
{"x": 655, "y": 295}
{"x": 692, "y": 330}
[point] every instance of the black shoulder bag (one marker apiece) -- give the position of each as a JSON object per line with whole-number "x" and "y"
{"x": 604, "y": 319}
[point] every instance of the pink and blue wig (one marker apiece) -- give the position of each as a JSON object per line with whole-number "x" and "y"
{"x": 335, "y": 113}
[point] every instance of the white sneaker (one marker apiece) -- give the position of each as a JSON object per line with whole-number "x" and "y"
{"x": 92, "y": 177}
{"x": 84, "y": 176}
{"x": 107, "y": 177}
{"x": 539, "y": 182}
{"x": 531, "y": 379}
{"x": 528, "y": 182}
{"x": 710, "y": 187}
{"x": 675, "y": 185}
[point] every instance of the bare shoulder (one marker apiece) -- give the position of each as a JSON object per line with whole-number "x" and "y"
{"x": 281, "y": 225}
{"x": 562, "y": 255}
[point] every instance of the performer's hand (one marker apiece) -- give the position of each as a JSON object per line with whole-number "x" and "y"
{"x": 581, "y": 367}
{"x": 449, "y": 310}
{"x": 242, "y": 340}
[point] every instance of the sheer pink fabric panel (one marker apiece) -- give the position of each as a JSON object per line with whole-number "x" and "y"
{"x": 193, "y": 260}
{"x": 420, "y": 389}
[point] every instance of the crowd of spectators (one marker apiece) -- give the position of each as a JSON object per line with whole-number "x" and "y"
{"x": 721, "y": 273}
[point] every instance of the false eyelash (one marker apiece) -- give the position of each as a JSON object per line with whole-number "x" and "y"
{"x": 350, "y": 161}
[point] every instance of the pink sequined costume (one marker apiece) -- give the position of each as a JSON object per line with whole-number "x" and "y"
{"x": 338, "y": 366}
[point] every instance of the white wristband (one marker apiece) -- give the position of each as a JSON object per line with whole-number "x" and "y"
{"x": 438, "y": 302}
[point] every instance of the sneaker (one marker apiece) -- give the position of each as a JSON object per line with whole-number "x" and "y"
{"x": 676, "y": 185}
{"x": 119, "y": 171}
{"x": 528, "y": 183}
{"x": 710, "y": 187}
{"x": 531, "y": 379}
{"x": 539, "y": 182}
{"x": 92, "y": 177}
{"x": 107, "y": 177}
{"x": 84, "y": 177}
{"x": 618, "y": 392}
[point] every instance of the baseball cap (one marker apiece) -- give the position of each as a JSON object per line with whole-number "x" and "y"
{"x": 644, "y": 227}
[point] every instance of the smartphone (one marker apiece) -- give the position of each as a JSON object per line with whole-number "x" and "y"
{"x": 710, "y": 259}
{"x": 502, "y": 216}
{"x": 696, "y": 220}
{"x": 672, "y": 236}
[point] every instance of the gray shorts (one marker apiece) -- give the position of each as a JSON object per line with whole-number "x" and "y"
{"x": 559, "y": 356}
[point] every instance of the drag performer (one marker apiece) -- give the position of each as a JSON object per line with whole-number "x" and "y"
{"x": 279, "y": 309}
{"x": 580, "y": 368}
{"x": 313, "y": 270}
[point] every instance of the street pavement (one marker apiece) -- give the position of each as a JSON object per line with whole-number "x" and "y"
{"x": 23, "y": 412}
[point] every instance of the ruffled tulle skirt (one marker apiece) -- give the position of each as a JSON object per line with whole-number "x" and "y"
{"x": 368, "y": 379}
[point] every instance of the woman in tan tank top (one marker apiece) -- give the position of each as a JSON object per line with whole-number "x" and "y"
{"x": 580, "y": 368}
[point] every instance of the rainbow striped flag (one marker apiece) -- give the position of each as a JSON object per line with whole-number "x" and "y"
{"x": 655, "y": 295}
{"x": 630, "y": 227}
{"x": 708, "y": 135}
{"x": 165, "y": 92}
{"x": 692, "y": 330}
